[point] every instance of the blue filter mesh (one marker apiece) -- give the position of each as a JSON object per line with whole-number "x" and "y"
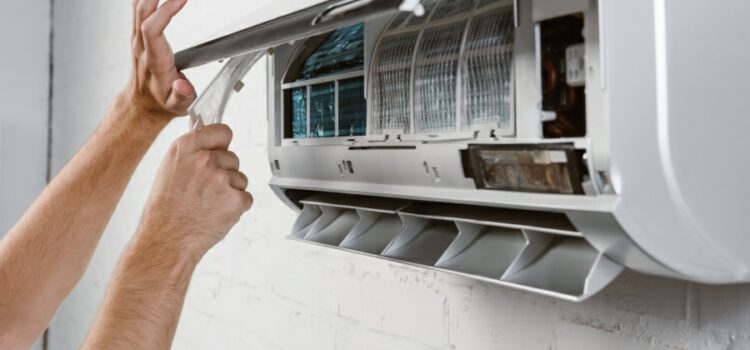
{"x": 299, "y": 112}
{"x": 352, "y": 107}
{"x": 323, "y": 110}
{"x": 343, "y": 51}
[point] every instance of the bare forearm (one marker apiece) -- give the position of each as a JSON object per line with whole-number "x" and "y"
{"x": 198, "y": 196}
{"x": 145, "y": 298}
{"x": 46, "y": 253}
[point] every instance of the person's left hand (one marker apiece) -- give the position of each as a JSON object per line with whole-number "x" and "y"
{"x": 156, "y": 88}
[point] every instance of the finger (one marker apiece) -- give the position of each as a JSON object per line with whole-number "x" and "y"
{"x": 226, "y": 160}
{"x": 143, "y": 9}
{"x": 238, "y": 180}
{"x": 249, "y": 200}
{"x": 137, "y": 45}
{"x": 160, "y": 18}
{"x": 135, "y": 20}
{"x": 181, "y": 97}
{"x": 246, "y": 199}
{"x": 214, "y": 137}
{"x": 153, "y": 28}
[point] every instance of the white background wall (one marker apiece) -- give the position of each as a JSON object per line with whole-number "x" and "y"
{"x": 257, "y": 290}
{"x": 24, "y": 90}
{"x": 24, "y": 93}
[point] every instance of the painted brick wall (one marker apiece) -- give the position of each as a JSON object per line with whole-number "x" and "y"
{"x": 257, "y": 290}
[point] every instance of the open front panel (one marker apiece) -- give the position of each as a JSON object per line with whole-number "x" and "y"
{"x": 492, "y": 244}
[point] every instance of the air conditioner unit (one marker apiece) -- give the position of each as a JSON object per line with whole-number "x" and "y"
{"x": 543, "y": 145}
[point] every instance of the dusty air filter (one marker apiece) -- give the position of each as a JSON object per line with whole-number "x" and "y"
{"x": 446, "y": 73}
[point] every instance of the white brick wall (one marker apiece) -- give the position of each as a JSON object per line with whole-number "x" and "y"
{"x": 257, "y": 290}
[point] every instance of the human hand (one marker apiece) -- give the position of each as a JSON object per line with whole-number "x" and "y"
{"x": 199, "y": 194}
{"x": 156, "y": 88}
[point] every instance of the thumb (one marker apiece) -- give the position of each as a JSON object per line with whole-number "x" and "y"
{"x": 181, "y": 96}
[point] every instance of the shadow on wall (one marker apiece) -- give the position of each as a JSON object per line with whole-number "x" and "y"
{"x": 646, "y": 312}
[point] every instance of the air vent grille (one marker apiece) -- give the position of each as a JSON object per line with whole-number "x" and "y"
{"x": 535, "y": 251}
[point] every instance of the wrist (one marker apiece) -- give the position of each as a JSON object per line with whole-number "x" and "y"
{"x": 168, "y": 239}
{"x": 133, "y": 107}
{"x": 164, "y": 258}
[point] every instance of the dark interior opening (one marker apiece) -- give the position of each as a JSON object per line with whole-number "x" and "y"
{"x": 563, "y": 100}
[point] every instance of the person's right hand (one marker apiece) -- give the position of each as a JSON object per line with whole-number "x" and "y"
{"x": 199, "y": 193}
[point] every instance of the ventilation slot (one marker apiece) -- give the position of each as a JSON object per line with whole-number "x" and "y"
{"x": 423, "y": 241}
{"x": 553, "y": 223}
{"x": 483, "y": 250}
{"x": 560, "y": 264}
{"x": 534, "y": 251}
{"x": 310, "y": 213}
{"x": 366, "y": 225}
{"x": 373, "y": 233}
{"x": 332, "y": 226}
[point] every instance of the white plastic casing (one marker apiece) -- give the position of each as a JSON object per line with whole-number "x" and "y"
{"x": 575, "y": 65}
{"x": 666, "y": 102}
{"x": 666, "y": 133}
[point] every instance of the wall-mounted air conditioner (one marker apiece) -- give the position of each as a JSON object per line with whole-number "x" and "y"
{"x": 540, "y": 144}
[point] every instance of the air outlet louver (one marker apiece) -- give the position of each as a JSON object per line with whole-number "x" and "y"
{"x": 537, "y": 251}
